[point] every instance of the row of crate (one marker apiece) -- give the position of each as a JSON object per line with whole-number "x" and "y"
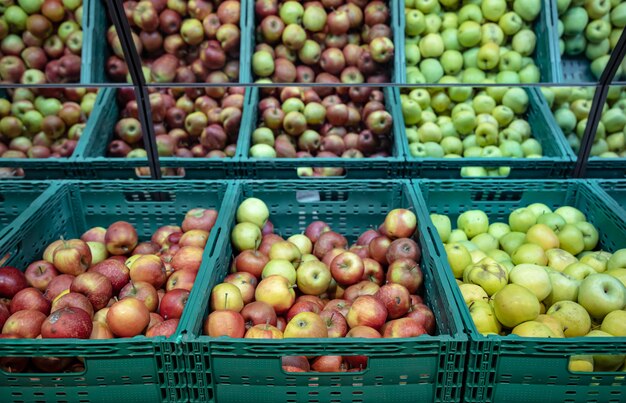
{"x": 554, "y": 68}
{"x": 455, "y": 364}
{"x": 90, "y": 159}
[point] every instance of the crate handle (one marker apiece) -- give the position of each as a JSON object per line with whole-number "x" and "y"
{"x": 180, "y": 173}
{"x": 507, "y": 196}
{"x": 149, "y": 197}
{"x": 358, "y": 362}
{"x": 307, "y": 172}
{"x": 19, "y": 367}
{"x": 315, "y": 196}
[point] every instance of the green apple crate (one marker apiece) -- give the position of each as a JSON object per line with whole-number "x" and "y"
{"x": 523, "y": 369}
{"x": 125, "y": 369}
{"x": 428, "y": 368}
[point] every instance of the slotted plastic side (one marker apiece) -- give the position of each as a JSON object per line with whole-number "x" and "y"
{"x": 614, "y": 193}
{"x": 354, "y": 168}
{"x": 427, "y": 368}
{"x": 134, "y": 369}
{"x": 17, "y": 196}
{"x": 93, "y": 163}
{"x": 511, "y": 368}
{"x": 556, "y": 163}
{"x": 95, "y": 47}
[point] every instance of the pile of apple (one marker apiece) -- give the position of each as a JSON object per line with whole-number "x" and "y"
{"x": 180, "y": 41}
{"x": 571, "y": 106}
{"x": 106, "y": 284}
{"x": 327, "y": 41}
{"x": 322, "y": 122}
{"x": 539, "y": 275}
{"x": 40, "y": 41}
{"x": 457, "y": 122}
{"x": 591, "y": 28}
{"x": 450, "y": 41}
{"x": 190, "y": 122}
{"x": 44, "y": 123}
{"x": 314, "y": 285}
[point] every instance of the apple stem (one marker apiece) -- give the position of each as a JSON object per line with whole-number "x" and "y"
{"x": 225, "y": 300}
{"x": 4, "y": 259}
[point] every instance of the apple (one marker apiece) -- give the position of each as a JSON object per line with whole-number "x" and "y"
{"x": 39, "y": 274}
{"x": 601, "y": 294}
{"x": 306, "y": 325}
{"x": 246, "y": 283}
{"x": 120, "y": 238}
{"x": 404, "y": 327}
{"x": 95, "y": 286}
{"x": 246, "y": 236}
{"x": 423, "y": 315}
{"x": 617, "y": 260}
{"x": 558, "y": 259}
{"x": 473, "y": 222}
{"x": 367, "y": 311}
{"x": 515, "y": 304}
{"x": 327, "y": 241}
{"x": 95, "y": 234}
{"x": 529, "y": 253}
{"x": 128, "y": 317}
{"x": 532, "y": 277}
{"x": 187, "y": 258}
{"x": 67, "y": 323}
{"x": 335, "y": 323}
{"x": 72, "y": 257}
{"x": 458, "y": 258}
{"x": 12, "y": 281}
{"x": 226, "y": 296}
{"x": 347, "y": 268}
{"x": 313, "y": 277}
{"x": 552, "y": 323}
{"x": 296, "y": 361}
{"x": 142, "y": 291}
{"x": 301, "y": 306}
{"x": 403, "y": 248}
{"x": 29, "y": 299}
{"x": 264, "y": 331}
{"x": 399, "y": 223}
{"x": 315, "y": 229}
{"x": 614, "y": 324}
{"x": 114, "y": 270}
{"x": 166, "y": 328}
{"x": 286, "y": 250}
{"x": 572, "y": 316}
{"x": 472, "y": 292}
{"x": 327, "y": 363}
{"x": 173, "y": 303}
{"x": 253, "y": 210}
{"x": 361, "y": 288}
{"x": 148, "y": 268}
{"x": 396, "y": 299}
{"x": 277, "y": 292}
{"x": 532, "y": 328}
{"x": 405, "y": 272}
{"x": 280, "y": 267}
{"x": 364, "y": 332}
{"x": 251, "y": 261}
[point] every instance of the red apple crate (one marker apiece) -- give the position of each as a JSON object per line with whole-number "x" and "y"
{"x": 426, "y": 368}
{"x": 286, "y": 168}
{"x": 92, "y": 161}
{"x": 129, "y": 369}
{"x": 546, "y": 50}
{"x": 556, "y": 162}
{"x": 522, "y": 369}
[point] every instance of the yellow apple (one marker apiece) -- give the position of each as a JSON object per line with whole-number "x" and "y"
{"x": 458, "y": 258}
{"x": 515, "y": 304}
{"x": 532, "y": 328}
{"x": 484, "y": 318}
{"x": 580, "y": 363}
{"x": 473, "y": 292}
{"x": 552, "y": 323}
{"x": 573, "y": 317}
{"x": 559, "y": 259}
{"x": 542, "y": 235}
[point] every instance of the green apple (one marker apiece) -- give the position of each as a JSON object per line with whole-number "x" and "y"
{"x": 614, "y": 323}
{"x": 539, "y": 209}
{"x": 470, "y": 12}
{"x": 493, "y": 9}
{"x": 564, "y": 288}
{"x": 580, "y": 363}
{"x": 411, "y": 111}
{"x": 600, "y": 294}
{"x": 484, "y": 317}
{"x": 510, "y": 23}
{"x": 598, "y": 49}
{"x": 552, "y": 220}
{"x": 488, "y": 274}
{"x": 431, "y": 69}
{"x": 510, "y": 61}
{"x": 524, "y": 42}
{"x": 15, "y": 17}
{"x": 485, "y": 242}
{"x": 452, "y": 62}
{"x": 529, "y": 253}
{"x": 450, "y": 20}
{"x": 498, "y": 255}
{"x": 433, "y": 150}
{"x": 433, "y": 23}
{"x": 31, "y": 6}
{"x": 572, "y": 316}
{"x": 452, "y": 145}
{"x": 617, "y": 260}
{"x": 566, "y": 119}
{"x": 411, "y": 134}
{"x": 511, "y": 149}
{"x": 491, "y": 32}
{"x": 442, "y": 225}
{"x": 427, "y": 6}
{"x": 413, "y": 55}
{"x": 291, "y": 12}
{"x": 521, "y": 219}
{"x": 263, "y": 135}
{"x": 618, "y": 15}
{"x": 571, "y": 239}
{"x": 570, "y": 214}
{"x": 450, "y": 39}
{"x": 614, "y": 120}
{"x": 533, "y": 277}
{"x": 263, "y": 63}
{"x": 498, "y": 230}
{"x": 574, "y": 21}
{"x": 431, "y": 45}
{"x": 473, "y": 172}
{"x": 473, "y": 222}
{"x": 529, "y": 74}
{"x": 605, "y": 362}
{"x": 511, "y": 241}
{"x": 590, "y": 234}
{"x": 246, "y": 236}
{"x": 515, "y": 304}
{"x": 531, "y": 147}
{"x": 302, "y": 242}
{"x": 429, "y": 131}
{"x": 517, "y": 99}
{"x": 558, "y": 259}
{"x": 597, "y": 31}
{"x": 579, "y": 271}
{"x": 253, "y": 210}
{"x": 598, "y": 65}
{"x": 458, "y": 258}
{"x": 521, "y": 126}
{"x": 598, "y": 260}
{"x": 503, "y": 115}
{"x": 314, "y": 18}
{"x": 280, "y": 267}
{"x": 533, "y": 328}
{"x": 472, "y": 74}
{"x": 469, "y": 34}
{"x": 473, "y": 292}
{"x": 527, "y": 9}
{"x": 415, "y": 22}
{"x": 457, "y": 235}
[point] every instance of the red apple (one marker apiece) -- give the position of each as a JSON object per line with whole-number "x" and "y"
{"x": 403, "y": 327}
{"x": 95, "y": 234}
{"x": 264, "y": 331}
{"x": 225, "y": 323}
{"x": 199, "y": 218}
{"x": 406, "y": 272}
{"x": 424, "y": 316}
{"x": 128, "y": 317}
{"x": 399, "y": 223}
{"x": 361, "y": 251}
{"x": 396, "y": 299}
{"x": 114, "y": 270}
{"x": 327, "y": 241}
{"x": 311, "y": 298}
{"x": 364, "y": 332}
{"x": 4, "y": 314}
{"x": 57, "y": 285}
{"x": 148, "y": 268}
{"x": 13, "y": 365}
{"x": 146, "y": 248}
{"x": 330, "y": 256}
{"x": 378, "y": 248}
{"x": 25, "y": 324}
{"x": 303, "y": 306}
{"x": 267, "y": 241}
{"x": 361, "y": 288}
{"x": 166, "y": 328}
{"x": 100, "y": 331}
{"x": 327, "y": 363}
{"x": 335, "y": 322}
{"x": 347, "y": 268}
{"x": 173, "y": 304}
{"x": 373, "y": 271}
{"x": 315, "y": 229}
{"x": 296, "y": 361}
{"x": 67, "y": 323}
{"x": 30, "y": 298}
{"x": 341, "y": 305}
{"x": 160, "y": 235}
{"x": 258, "y": 312}
{"x": 12, "y": 281}
{"x": 246, "y": 283}
{"x": 367, "y": 310}
{"x": 120, "y": 238}
{"x": 48, "y": 253}
{"x": 72, "y": 300}
{"x": 281, "y": 323}
{"x": 155, "y": 319}
{"x": 51, "y": 364}
{"x": 96, "y": 287}
{"x": 182, "y": 279}
{"x": 403, "y": 248}
{"x": 188, "y": 258}
{"x": 39, "y": 274}
{"x": 142, "y": 291}
{"x": 72, "y": 257}
{"x": 194, "y": 237}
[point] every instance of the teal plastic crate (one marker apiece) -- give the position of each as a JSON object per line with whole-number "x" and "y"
{"x": 428, "y": 368}
{"x": 15, "y": 197}
{"x": 133, "y": 369}
{"x": 546, "y": 50}
{"x": 395, "y": 23}
{"x": 557, "y": 161}
{"x": 615, "y": 191}
{"x": 43, "y": 168}
{"x": 354, "y": 168}
{"x": 93, "y": 163}
{"x": 95, "y": 48}
{"x": 516, "y": 369}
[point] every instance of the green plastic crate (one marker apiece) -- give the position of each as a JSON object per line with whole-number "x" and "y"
{"x": 615, "y": 193}
{"x": 428, "y": 368}
{"x": 93, "y": 163}
{"x": 546, "y": 49}
{"x": 15, "y": 197}
{"x": 556, "y": 162}
{"x": 133, "y": 369}
{"x": 95, "y": 48}
{"x": 395, "y": 23}
{"x": 286, "y": 168}
{"x": 43, "y": 168}
{"x": 516, "y": 369}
